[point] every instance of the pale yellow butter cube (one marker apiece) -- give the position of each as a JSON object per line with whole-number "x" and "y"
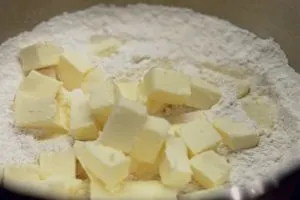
{"x": 48, "y": 71}
{"x": 175, "y": 168}
{"x": 39, "y": 55}
{"x": 63, "y": 112}
{"x": 37, "y": 112}
{"x": 175, "y": 129}
{"x": 128, "y": 89}
{"x": 242, "y": 88}
{"x": 39, "y": 85}
{"x": 124, "y": 123}
{"x": 62, "y": 164}
{"x": 145, "y": 171}
{"x": 20, "y": 176}
{"x": 105, "y": 163}
{"x": 153, "y": 107}
{"x": 186, "y": 117}
{"x": 103, "y": 96}
{"x": 237, "y": 135}
{"x": 211, "y": 193}
{"x": 210, "y": 169}
{"x": 199, "y": 135}
{"x": 261, "y": 109}
{"x": 135, "y": 190}
{"x": 64, "y": 188}
{"x": 82, "y": 125}
{"x": 72, "y": 69}
{"x": 105, "y": 46}
{"x": 93, "y": 76}
{"x": 167, "y": 86}
{"x": 150, "y": 140}
{"x": 204, "y": 95}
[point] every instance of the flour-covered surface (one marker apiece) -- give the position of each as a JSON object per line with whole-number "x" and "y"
{"x": 190, "y": 40}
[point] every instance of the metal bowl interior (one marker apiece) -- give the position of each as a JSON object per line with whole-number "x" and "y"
{"x": 267, "y": 18}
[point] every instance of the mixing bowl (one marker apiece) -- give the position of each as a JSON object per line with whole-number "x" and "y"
{"x": 267, "y": 18}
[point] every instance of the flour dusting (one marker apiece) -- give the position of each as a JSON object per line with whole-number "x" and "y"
{"x": 189, "y": 40}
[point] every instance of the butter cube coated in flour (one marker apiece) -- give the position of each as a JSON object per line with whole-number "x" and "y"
{"x": 105, "y": 163}
{"x": 128, "y": 89}
{"x": 37, "y": 112}
{"x": 103, "y": 96}
{"x": 242, "y": 88}
{"x": 237, "y": 135}
{"x": 124, "y": 123}
{"x": 204, "y": 95}
{"x": 135, "y": 190}
{"x": 61, "y": 164}
{"x": 39, "y": 55}
{"x": 82, "y": 125}
{"x": 150, "y": 140}
{"x": 39, "y": 85}
{"x": 210, "y": 169}
{"x": 199, "y": 135}
{"x": 72, "y": 69}
{"x": 261, "y": 109}
{"x": 175, "y": 168}
{"x": 167, "y": 86}
{"x": 105, "y": 46}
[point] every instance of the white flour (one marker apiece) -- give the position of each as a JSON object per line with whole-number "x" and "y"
{"x": 182, "y": 35}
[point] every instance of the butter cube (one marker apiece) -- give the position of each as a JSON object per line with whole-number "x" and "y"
{"x": 124, "y": 123}
{"x": 167, "y": 86}
{"x": 103, "y": 96}
{"x": 175, "y": 168}
{"x": 186, "y": 117}
{"x": 261, "y": 109}
{"x": 237, "y": 135}
{"x": 82, "y": 125}
{"x": 105, "y": 46}
{"x": 38, "y": 85}
{"x": 150, "y": 140}
{"x": 63, "y": 112}
{"x": 153, "y": 107}
{"x": 242, "y": 88}
{"x": 48, "y": 71}
{"x": 199, "y": 135}
{"x": 62, "y": 164}
{"x": 37, "y": 112}
{"x": 93, "y": 76}
{"x": 174, "y": 130}
{"x": 39, "y": 55}
{"x": 145, "y": 171}
{"x": 211, "y": 193}
{"x": 64, "y": 188}
{"x": 105, "y": 163}
{"x": 20, "y": 176}
{"x": 210, "y": 169}
{"x": 128, "y": 89}
{"x": 204, "y": 95}
{"x": 72, "y": 69}
{"x": 148, "y": 190}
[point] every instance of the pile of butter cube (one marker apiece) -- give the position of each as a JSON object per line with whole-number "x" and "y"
{"x": 122, "y": 148}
